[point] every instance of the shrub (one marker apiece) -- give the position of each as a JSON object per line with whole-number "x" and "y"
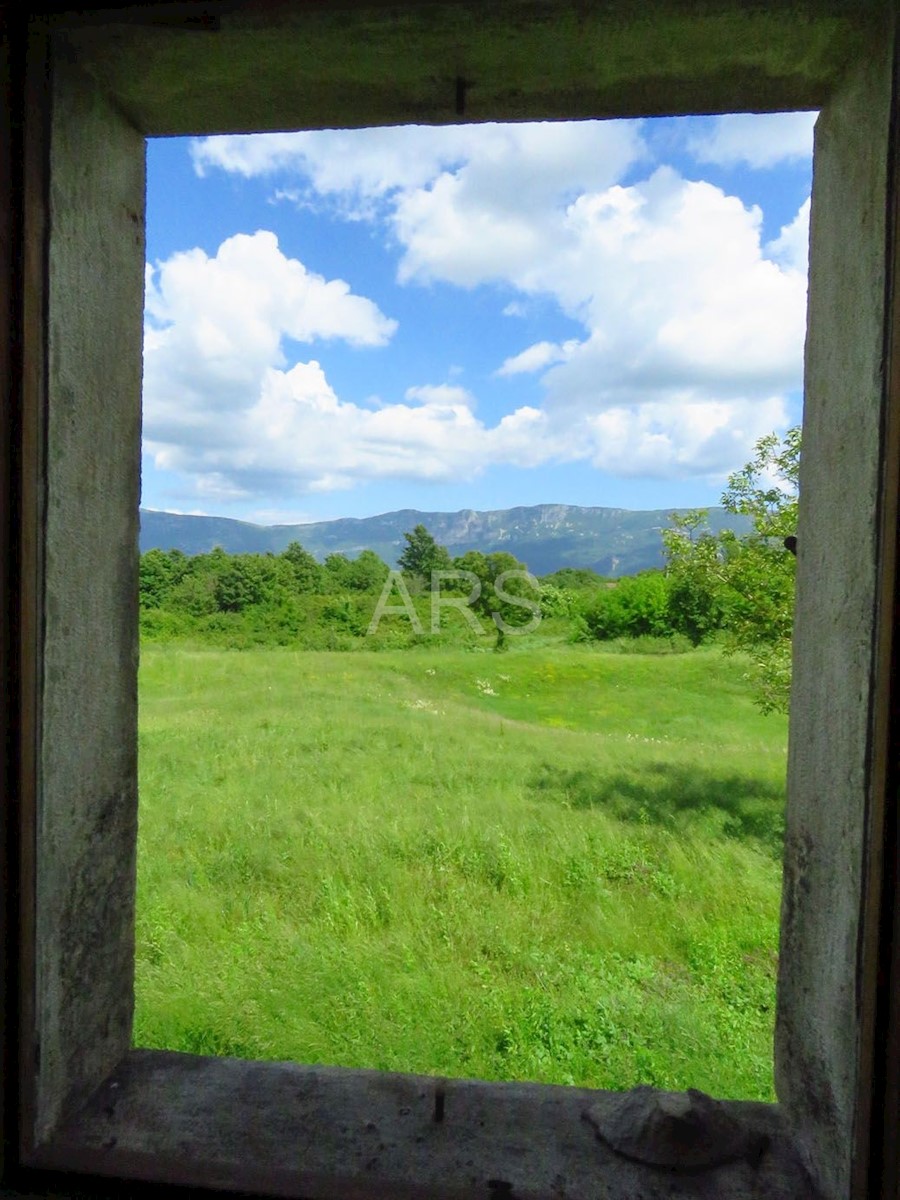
{"x": 637, "y": 605}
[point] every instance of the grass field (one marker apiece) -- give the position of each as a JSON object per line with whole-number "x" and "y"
{"x": 559, "y": 864}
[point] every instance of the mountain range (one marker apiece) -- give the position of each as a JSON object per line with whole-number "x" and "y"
{"x": 547, "y": 537}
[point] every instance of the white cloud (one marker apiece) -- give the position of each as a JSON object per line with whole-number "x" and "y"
{"x": 375, "y": 162}
{"x": 535, "y": 358}
{"x": 667, "y": 276}
{"x": 181, "y": 512}
{"x": 369, "y": 161}
{"x": 681, "y": 436}
{"x": 693, "y": 330}
{"x": 496, "y": 217}
{"x": 216, "y": 329}
{"x": 758, "y": 140}
{"x": 251, "y": 290}
{"x": 223, "y": 405}
{"x": 791, "y": 247}
{"x": 299, "y": 434}
{"x": 522, "y": 164}
{"x": 442, "y": 395}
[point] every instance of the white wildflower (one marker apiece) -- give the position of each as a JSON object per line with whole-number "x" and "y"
{"x": 423, "y": 706}
{"x": 484, "y": 686}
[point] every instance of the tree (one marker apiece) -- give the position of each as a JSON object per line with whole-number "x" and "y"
{"x": 194, "y": 594}
{"x": 761, "y": 572}
{"x": 696, "y": 589}
{"x": 747, "y": 581}
{"x": 423, "y": 554}
{"x": 507, "y": 594}
{"x": 160, "y": 573}
{"x": 242, "y": 581}
{"x": 367, "y": 572}
{"x": 307, "y": 573}
{"x": 337, "y": 573}
{"x": 767, "y": 488}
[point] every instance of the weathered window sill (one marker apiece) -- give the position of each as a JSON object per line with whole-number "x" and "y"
{"x": 282, "y": 1129}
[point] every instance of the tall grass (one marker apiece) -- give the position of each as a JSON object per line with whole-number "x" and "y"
{"x": 558, "y": 864}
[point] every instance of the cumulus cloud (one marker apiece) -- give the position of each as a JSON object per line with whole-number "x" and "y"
{"x": 536, "y": 357}
{"x": 244, "y": 299}
{"x": 668, "y": 277}
{"x": 681, "y": 436}
{"x": 371, "y": 161}
{"x": 224, "y": 405}
{"x": 692, "y": 327}
{"x": 791, "y": 247}
{"x": 298, "y": 436}
{"x": 759, "y": 140}
{"x": 496, "y": 217}
{"x": 521, "y": 164}
{"x": 442, "y": 395}
{"x": 216, "y": 330}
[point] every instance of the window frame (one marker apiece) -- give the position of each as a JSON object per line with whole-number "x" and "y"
{"x": 23, "y": 479}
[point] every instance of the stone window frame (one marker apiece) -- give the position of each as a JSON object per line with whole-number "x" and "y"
{"x": 85, "y": 1102}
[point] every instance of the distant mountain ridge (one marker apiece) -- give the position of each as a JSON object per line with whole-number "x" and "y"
{"x": 611, "y": 541}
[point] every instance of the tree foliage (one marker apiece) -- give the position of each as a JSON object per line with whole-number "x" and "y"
{"x": 306, "y": 571}
{"x": 423, "y": 555}
{"x": 712, "y": 582}
{"x": 636, "y": 606}
{"x": 745, "y": 584}
{"x": 505, "y": 595}
{"x": 235, "y": 583}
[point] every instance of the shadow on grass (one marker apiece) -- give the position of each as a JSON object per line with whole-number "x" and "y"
{"x": 662, "y": 793}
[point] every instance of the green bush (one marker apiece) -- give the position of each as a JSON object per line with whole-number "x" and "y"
{"x": 163, "y": 625}
{"x": 636, "y": 606}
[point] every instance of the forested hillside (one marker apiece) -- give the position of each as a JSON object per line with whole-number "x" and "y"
{"x": 548, "y": 537}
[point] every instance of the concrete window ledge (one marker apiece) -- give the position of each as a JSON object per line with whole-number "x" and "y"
{"x": 282, "y": 1129}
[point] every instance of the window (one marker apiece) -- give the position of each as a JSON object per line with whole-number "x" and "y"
{"x": 455, "y": 932}
{"x": 294, "y": 1130}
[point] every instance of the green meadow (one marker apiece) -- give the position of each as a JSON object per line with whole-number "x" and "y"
{"x": 561, "y": 863}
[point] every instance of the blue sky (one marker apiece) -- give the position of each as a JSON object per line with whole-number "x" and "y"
{"x": 342, "y": 323}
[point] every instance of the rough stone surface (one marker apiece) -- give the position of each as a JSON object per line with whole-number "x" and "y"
{"x": 87, "y": 807}
{"x": 682, "y": 1130}
{"x": 816, "y": 1051}
{"x": 398, "y": 63}
{"x": 323, "y": 1132}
